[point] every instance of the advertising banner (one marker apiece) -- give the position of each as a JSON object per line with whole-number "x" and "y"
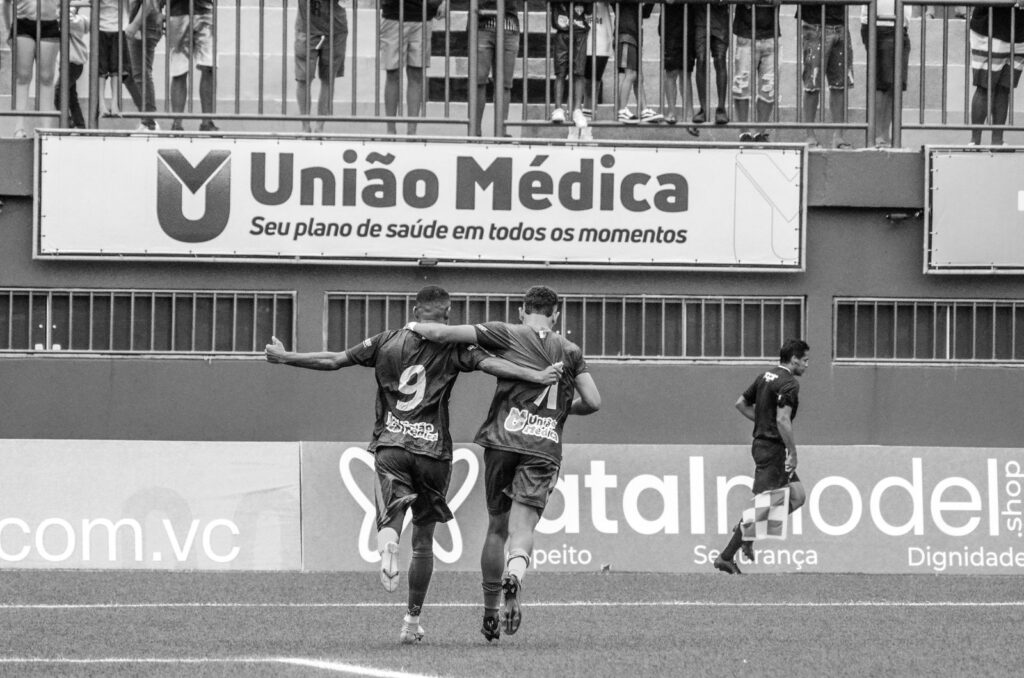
{"x": 974, "y": 204}
{"x": 439, "y": 201}
{"x": 672, "y": 508}
{"x": 98, "y": 504}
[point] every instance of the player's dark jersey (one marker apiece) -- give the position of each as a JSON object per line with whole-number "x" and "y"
{"x": 414, "y": 381}
{"x": 771, "y": 390}
{"x": 528, "y": 418}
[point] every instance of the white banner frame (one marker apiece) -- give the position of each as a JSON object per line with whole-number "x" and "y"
{"x": 999, "y": 238}
{"x": 767, "y": 183}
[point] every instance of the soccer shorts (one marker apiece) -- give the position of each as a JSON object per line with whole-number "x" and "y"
{"x": 512, "y": 476}
{"x": 770, "y": 466}
{"x": 190, "y": 40}
{"x": 405, "y": 480}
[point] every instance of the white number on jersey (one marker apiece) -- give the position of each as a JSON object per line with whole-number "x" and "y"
{"x": 551, "y": 392}
{"x": 413, "y": 382}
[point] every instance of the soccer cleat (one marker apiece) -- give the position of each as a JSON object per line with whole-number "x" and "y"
{"x": 558, "y": 115}
{"x": 509, "y": 613}
{"x": 747, "y": 547}
{"x": 491, "y": 628}
{"x": 389, "y": 567}
{"x": 727, "y": 566}
{"x": 627, "y": 116}
{"x": 411, "y": 633}
{"x": 579, "y": 118}
{"x": 648, "y": 115}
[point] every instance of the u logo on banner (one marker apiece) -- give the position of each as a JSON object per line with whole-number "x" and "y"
{"x": 367, "y": 529}
{"x": 213, "y": 173}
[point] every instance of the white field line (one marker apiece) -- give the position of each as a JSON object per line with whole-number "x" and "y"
{"x": 337, "y": 667}
{"x": 538, "y": 604}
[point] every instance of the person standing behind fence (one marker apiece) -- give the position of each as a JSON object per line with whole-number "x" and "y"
{"x": 571, "y": 23}
{"x": 321, "y": 35}
{"x": 628, "y": 16}
{"x": 144, "y": 31}
{"x": 827, "y": 48}
{"x": 487, "y": 55}
{"x": 113, "y": 56}
{"x": 78, "y": 57}
{"x": 711, "y": 38}
{"x": 35, "y": 26}
{"x": 599, "y": 51}
{"x": 885, "y": 64}
{"x": 678, "y": 33}
{"x": 190, "y": 41}
{"x": 992, "y": 29}
{"x": 405, "y": 39}
{"x": 757, "y": 33}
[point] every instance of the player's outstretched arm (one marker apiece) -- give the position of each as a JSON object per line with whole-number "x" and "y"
{"x": 745, "y": 408}
{"x": 444, "y": 334}
{"x": 323, "y": 360}
{"x": 499, "y": 367}
{"x": 588, "y": 399}
{"x": 784, "y": 421}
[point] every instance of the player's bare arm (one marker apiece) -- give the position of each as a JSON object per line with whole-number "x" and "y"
{"x": 499, "y": 367}
{"x": 323, "y": 360}
{"x": 784, "y": 420}
{"x": 745, "y": 408}
{"x": 588, "y": 399}
{"x": 444, "y": 334}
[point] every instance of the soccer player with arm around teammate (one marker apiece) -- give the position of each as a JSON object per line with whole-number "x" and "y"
{"x": 522, "y": 441}
{"x": 771, "y": 403}
{"x": 411, "y": 443}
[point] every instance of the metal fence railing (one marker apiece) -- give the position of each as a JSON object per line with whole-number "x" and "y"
{"x": 605, "y": 327}
{"x": 258, "y": 64}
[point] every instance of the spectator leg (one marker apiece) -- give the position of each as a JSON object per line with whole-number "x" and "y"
{"x": 414, "y": 94}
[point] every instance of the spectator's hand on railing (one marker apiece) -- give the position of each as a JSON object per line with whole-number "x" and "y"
{"x": 442, "y": 10}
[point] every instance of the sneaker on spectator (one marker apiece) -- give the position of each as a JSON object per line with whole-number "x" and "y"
{"x": 208, "y": 126}
{"x": 588, "y": 114}
{"x": 746, "y": 136}
{"x": 627, "y": 116}
{"x": 579, "y": 118}
{"x": 558, "y": 115}
{"x": 648, "y": 115}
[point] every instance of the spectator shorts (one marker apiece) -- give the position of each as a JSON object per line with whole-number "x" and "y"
{"x": 190, "y": 41}
{"x": 760, "y": 54}
{"x": 401, "y": 43}
{"x": 316, "y": 52}
{"x": 998, "y": 65}
{"x": 560, "y": 52}
{"x": 628, "y": 57}
{"x": 838, "y": 56}
{"x": 113, "y": 44}
{"x": 885, "y": 63}
{"x": 405, "y": 479}
{"x": 487, "y": 44}
{"x": 674, "y": 17}
{"x": 511, "y": 476}
{"x": 770, "y": 466}
{"x": 48, "y": 30}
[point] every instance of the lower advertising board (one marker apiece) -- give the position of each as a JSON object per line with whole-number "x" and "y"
{"x": 672, "y": 507}
{"x": 100, "y": 504}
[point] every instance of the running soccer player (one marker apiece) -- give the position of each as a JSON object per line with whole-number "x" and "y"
{"x": 411, "y": 444}
{"x": 522, "y": 441}
{"x": 771, "y": 403}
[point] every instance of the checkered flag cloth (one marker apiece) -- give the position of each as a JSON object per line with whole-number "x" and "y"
{"x": 768, "y": 517}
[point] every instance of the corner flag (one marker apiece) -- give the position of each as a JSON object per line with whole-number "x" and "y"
{"x": 768, "y": 517}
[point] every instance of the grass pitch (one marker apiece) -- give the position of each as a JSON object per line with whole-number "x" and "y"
{"x": 621, "y": 625}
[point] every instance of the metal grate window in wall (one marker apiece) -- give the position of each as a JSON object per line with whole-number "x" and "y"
{"x": 929, "y": 330}
{"x": 606, "y": 327}
{"x": 179, "y": 322}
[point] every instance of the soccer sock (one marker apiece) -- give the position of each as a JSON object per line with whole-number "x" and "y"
{"x": 421, "y": 567}
{"x": 492, "y": 595}
{"x": 518, "y": 561}
{"x": 734, "y": 544}
{"x": 386, "y": 535}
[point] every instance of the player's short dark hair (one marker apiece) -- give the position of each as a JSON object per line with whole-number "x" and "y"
{"x": 540, "y": 299}
{"x": 433, "y": 298}
{"x": 793, "y": 348}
